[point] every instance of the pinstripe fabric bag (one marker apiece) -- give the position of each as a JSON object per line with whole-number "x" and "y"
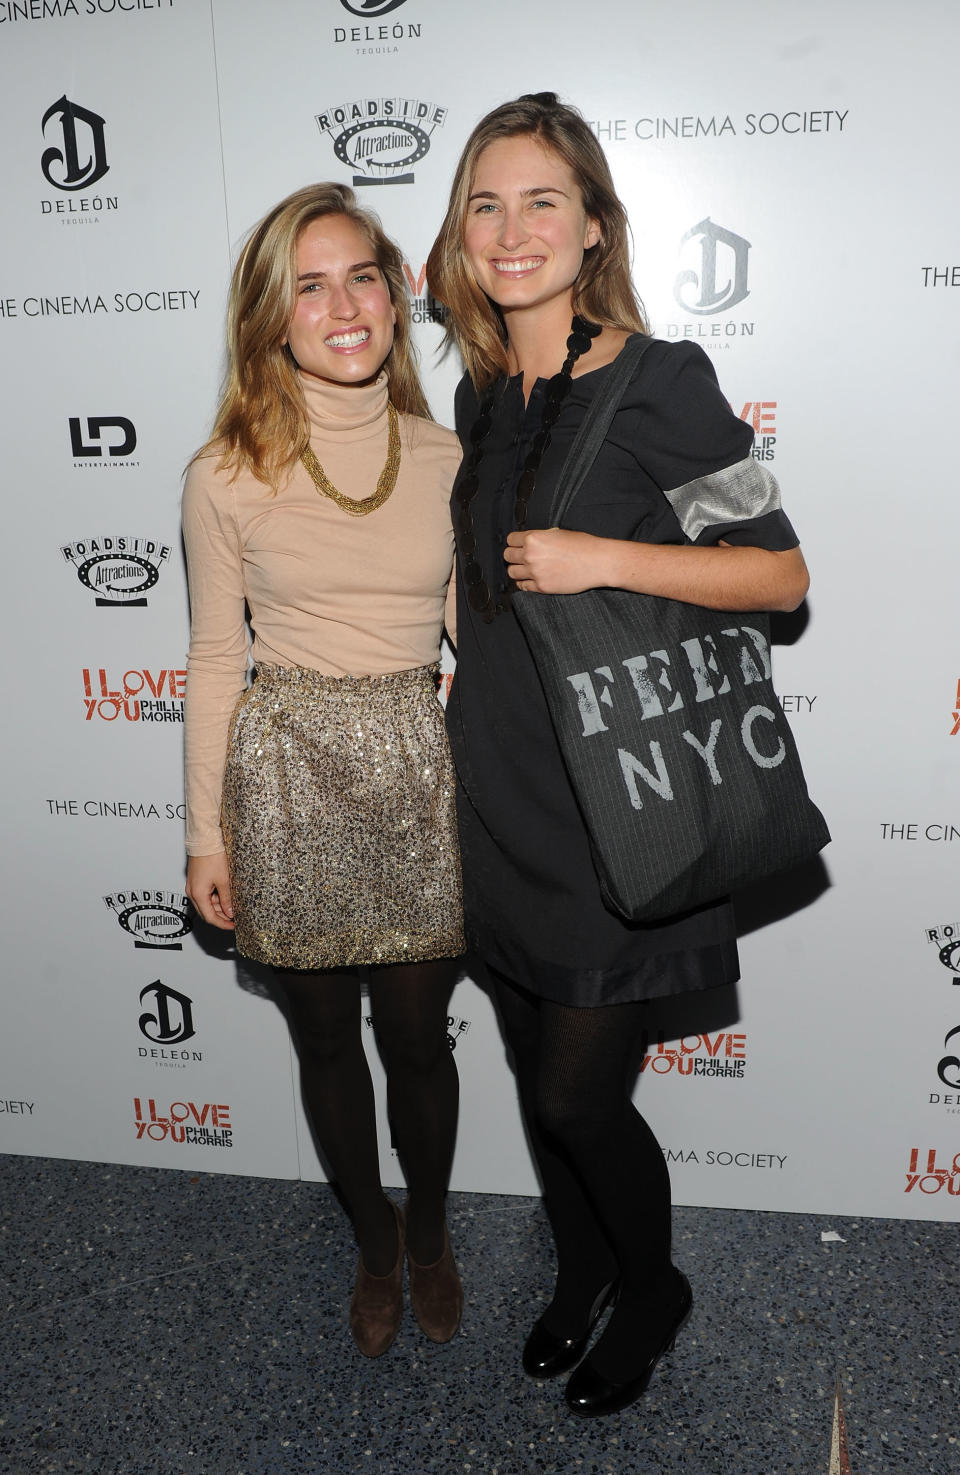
{"x": 683, "y": 764}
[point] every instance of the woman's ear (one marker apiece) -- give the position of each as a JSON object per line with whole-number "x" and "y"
{"x": 593, "y": 233}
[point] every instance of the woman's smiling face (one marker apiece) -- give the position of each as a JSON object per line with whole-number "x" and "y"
{"x": 526, "y": 229}
{"x": 342, "y": 326}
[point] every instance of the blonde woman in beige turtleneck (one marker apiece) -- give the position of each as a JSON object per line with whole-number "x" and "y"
{"x": 320, "y": 798}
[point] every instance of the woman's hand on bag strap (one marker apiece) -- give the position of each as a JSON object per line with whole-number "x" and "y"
{"x": 556, "y": 560}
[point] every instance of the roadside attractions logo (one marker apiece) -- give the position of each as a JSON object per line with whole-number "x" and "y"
{"x": 714, "y": 280}
{"x": 205, "y": 1124}
{"x": 138, "y": 696}
{"x": 75, "y": 160}
{"x": 946, "y": 940}
{"x": 456, "y": 1028}
{"x": 424, "y": 306}
{"x": 955, "y": 715}
{"x": 167, "y": 1021}
{"x": 152, "y": 919}
{"x": 723, "y": 1054}
{"x": 929, "y": 1172}
{"x": 381, "y": 138}
{"x": 119, "y": 569}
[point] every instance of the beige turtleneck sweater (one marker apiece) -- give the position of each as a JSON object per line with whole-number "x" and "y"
{"x": 344, "y": 595}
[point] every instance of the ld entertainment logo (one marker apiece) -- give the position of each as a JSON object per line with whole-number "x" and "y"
{"x": 154, "y": 919}
{"x": 717, "y": 285}
{"x": 382, "y": 137}
{"x": 115, "y": 432}
{"x": 119, "y": 571}
{"x": 172, "y": 1021}
{"x": 79, "y": 158}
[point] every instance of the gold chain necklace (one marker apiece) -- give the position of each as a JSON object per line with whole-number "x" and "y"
{"x": 385, "y": 485}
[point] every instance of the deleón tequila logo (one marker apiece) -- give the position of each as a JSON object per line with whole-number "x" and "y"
{"x": 172, "y": 1019}
{"x": 949, "y": 1067}
{"x": 80, "y": 157}
{"x": 372, "y": 7}
{"x": 712, "y": 297}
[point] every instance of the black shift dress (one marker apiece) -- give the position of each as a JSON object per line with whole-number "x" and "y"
{"x": 676, "y": 465}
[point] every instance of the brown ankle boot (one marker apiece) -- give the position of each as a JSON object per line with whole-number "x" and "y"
{"x": 376, "y": 1308}
{"x": 436, "y": 1294}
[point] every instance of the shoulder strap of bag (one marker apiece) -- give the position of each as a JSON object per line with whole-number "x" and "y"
{"x": 594, "y": 426}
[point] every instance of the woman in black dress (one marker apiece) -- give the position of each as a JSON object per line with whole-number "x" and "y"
{"x": 532, "y": 263}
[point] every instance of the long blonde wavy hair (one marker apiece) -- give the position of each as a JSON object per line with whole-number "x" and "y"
{"x": 603, "y": 292}
{"x": 261, "y": 423}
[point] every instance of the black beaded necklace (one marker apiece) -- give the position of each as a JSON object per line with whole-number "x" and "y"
{"x": 580, "y": 341}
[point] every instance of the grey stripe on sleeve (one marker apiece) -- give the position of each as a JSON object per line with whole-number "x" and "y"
{"x": 744, "y": 490}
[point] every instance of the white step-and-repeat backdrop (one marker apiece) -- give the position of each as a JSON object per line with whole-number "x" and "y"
{"x": 790, "y": 175}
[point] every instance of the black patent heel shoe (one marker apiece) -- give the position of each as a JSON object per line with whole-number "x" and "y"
{"x": 590, "y": 1394}
{"x": 545, "y": 1355}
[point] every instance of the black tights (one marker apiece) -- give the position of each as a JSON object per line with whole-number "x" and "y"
{"x": 408, "y": 1006}
{"x": 605, "y": 1181}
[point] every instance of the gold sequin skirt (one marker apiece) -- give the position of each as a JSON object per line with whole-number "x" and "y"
{"x": 338, "y": 820}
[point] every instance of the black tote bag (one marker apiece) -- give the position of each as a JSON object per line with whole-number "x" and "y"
{"x": 683, "y": 764}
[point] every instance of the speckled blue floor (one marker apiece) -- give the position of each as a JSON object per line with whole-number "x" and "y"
{"x": 158, "y": 1323}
